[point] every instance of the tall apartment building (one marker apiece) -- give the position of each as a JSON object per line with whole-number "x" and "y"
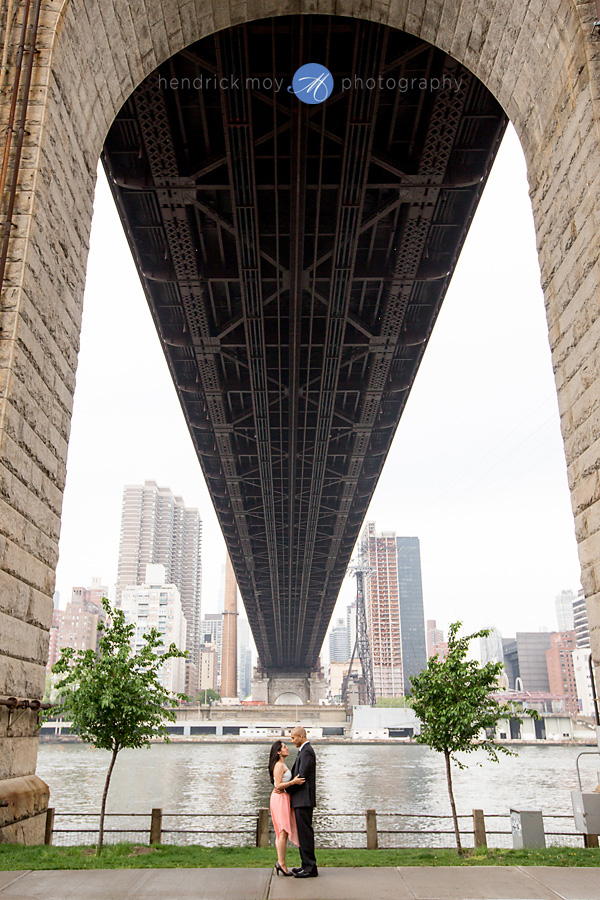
{"x": 564, "y": 610}
{"x": 157, "y": 528}
{"x": 561, "y": 673}
{"x": 157, "y": 604}
{"x": 490, "y": 647}
{"x": 434, "y": 636}
{"x": 211, "y": 629}
{"x": 583, "y": 681}
{"x": 339, "y": 642}
{"x": 412, "y": 619}
{"x": 580, "y": 621}
{"x": 77, "y": 625}
{"x": 383, "y": 610}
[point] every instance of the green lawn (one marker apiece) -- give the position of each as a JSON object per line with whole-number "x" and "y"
{"x": 131, "y": 856}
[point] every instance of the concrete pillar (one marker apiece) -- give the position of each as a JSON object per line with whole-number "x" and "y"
{"x": 229, "y": 654}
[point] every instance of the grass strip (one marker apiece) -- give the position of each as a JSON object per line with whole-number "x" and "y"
{"x": 133, "y": 856}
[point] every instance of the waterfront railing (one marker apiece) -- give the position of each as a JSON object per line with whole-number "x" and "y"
{"x": 369, "y": 830}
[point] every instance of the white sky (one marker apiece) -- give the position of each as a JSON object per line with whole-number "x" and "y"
{"x": 477, "y": 468}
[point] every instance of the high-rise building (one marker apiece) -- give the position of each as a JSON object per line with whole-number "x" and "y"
{"x": 525, "y": 659}
{"x": 583, "y": 681}
{"x": 207, "y": 680}
{"x": 157, "y": 528}
{"x": 412, "y": 619}
{"x": 580, "y": 620}
{"x": 339, "y": 644}
{"x": 383, "y": 610}
{"x": 434, "y": 637}
{"x": 212, "y": 625}
{"x": 157, "y": 604}
{"x": 561, "y": 674}
{"x": 351, "y": 625}
{"x": 244, "y": 659}
{"x": 77, "y": 625}
{"x": 564, "y": 610}
{"x": 490, "y": 647}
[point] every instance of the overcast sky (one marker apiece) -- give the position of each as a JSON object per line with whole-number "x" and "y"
{"x": 477, "y": 468}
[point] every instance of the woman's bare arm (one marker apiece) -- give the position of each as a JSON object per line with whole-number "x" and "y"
{"x": 278, "y": 773}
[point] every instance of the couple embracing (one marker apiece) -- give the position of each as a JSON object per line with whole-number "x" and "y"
{"x": 292, "y": 803}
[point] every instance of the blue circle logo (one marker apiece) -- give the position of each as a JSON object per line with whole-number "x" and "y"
{"x": 312, "y": 83}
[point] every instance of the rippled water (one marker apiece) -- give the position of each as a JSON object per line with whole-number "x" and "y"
{"x": 231, "y": 779}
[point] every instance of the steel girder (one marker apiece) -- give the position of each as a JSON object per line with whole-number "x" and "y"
{"x": 295, "y": 259}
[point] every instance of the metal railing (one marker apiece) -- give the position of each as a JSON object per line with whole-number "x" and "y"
{"x": 333, "y": 829}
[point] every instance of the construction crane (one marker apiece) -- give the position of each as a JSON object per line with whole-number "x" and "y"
{"x": 362, "y": 647}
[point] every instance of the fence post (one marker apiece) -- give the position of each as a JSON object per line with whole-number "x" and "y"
{"x": 590, "y": 840}
{"x": 372, "y": 842}
{"x": 156, "y": 826}
{"x": 262, "y": 828}
{"x": 479, "y": 835}
{"x": 49, "y": 825}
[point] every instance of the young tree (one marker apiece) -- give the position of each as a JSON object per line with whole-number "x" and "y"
{"x": 452, "y": 699}
{"x": 114, "y": 698}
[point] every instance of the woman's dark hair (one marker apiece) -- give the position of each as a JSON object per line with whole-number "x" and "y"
{"x": 274, "y": 758}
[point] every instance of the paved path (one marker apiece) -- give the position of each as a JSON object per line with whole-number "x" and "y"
{"x": 406, "y": 883}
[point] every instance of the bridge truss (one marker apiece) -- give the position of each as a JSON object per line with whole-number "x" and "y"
{"x": 295, "y": 258}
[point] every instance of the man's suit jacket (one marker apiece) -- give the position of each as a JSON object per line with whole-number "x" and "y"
{"x": 304, "y": 766}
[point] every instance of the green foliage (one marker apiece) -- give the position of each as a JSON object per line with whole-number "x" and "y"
{"x": 207, "y": 695}
{"x": 115, "y": 699}
{"x": 395, "y": 702}
{"x": 15, "y": 857}
{"x": 452, "y": 699}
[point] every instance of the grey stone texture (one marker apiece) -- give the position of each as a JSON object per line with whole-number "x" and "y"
{"x": 536, "y": 56}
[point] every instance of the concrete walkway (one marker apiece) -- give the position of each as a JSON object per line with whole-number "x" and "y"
{"x": 406, "y": 883}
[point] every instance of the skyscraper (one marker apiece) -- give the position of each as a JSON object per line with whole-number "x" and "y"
{"x": 157, "y": 528}
{"x": 561, "y": 674}
{"x": 490, "y": 647}
{"x": 412, "y": 619}
{"x": 580, "y": 620}
{"x": 339, "y": 643}
{"x": 157, "y": 604}
{"x": 564, "y": 610}
{"x": 383, "y": 610}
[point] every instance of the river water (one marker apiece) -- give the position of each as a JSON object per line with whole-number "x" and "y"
{"x": 230, "y": 781}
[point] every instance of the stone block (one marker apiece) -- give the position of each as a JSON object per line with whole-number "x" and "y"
{"x": 22, "y": 640}
{"x": 18, "y": 752}
{"x": 23, "y": 821}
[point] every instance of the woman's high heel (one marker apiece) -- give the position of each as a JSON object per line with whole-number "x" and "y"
{"x": 279, "y": 869}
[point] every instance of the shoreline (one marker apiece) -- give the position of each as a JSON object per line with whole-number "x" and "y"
{"x": 360, "y": 742}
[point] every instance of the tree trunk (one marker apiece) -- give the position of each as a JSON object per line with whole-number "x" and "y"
{"x": 104, "y": 796}
{"x": 452, "y": 803}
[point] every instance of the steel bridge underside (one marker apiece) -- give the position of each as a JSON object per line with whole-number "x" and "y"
{"x": 295, "y": 258}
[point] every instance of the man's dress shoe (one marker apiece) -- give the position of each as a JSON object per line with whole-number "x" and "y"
{"x": 296, "y": 869}
{"x": 303, "y": 874}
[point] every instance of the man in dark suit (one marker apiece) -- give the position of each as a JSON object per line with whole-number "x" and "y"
{"x": 303, "y": 801}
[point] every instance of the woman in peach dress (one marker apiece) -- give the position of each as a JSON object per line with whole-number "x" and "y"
{"x": 284, "y": 817}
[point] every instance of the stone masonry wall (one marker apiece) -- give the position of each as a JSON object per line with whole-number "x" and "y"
{"x": 536, "y": 56}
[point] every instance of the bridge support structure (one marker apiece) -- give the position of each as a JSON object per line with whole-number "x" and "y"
{"x": 540, "y": 60}
{"x": 278, "y": 688}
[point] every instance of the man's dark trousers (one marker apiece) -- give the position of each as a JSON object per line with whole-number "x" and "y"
{"x": 303, "y": 801}
{"x": 306, "y": 836}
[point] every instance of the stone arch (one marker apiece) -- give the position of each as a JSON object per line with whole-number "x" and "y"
{"x": 288, "y": 698}
{"x": 539, "y": 62}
